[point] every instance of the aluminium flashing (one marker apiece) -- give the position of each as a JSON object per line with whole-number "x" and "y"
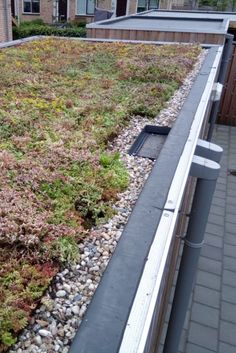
{"x": 103, "y": 326}
{"x": 13, "y": 43}
{"x": 107, "y": 40}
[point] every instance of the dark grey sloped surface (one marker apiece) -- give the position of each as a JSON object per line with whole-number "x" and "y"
{"x": 102, "y": 328}
{"x": 152, "y": 146}
{"x": 150, "y": 141}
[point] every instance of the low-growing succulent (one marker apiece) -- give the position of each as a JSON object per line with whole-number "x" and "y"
{"x": 61, "y": 103}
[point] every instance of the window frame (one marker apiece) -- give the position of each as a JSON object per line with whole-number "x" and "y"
{"x": 85, "y": 13}
{"x": 147, "y": 7}
{"x": 30, "y": 12}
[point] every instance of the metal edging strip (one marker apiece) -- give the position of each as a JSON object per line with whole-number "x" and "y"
{"x": 136, "y": 331}
{"x": 178, "y": 184}
{"x": 97, "y": 40}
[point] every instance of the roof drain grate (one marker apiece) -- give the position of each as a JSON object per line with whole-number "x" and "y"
{"x": 150, "y": 141}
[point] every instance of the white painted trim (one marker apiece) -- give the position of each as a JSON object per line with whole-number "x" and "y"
{"x": 68, "y": 10}
{"x": 76, "y": 8}
{"x": 54, "y": 10}
{"x": 113, "y": 7}
{"x": 127, "y": 7}
{"x": 16, "y": 8}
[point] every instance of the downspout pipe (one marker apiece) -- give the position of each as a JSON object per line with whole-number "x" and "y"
{"x": 226, "y": 57}
{"x": 205, "y": 187}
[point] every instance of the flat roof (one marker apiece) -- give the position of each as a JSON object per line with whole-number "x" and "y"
{"x": 231, "y": 16}
{"x": 153, "y": 21}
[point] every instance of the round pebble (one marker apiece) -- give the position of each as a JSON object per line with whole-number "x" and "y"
{"x": 45, "y": 333}
{"x": 61, "y": 293}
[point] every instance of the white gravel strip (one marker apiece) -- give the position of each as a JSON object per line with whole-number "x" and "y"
{"x": 57, "y": 319}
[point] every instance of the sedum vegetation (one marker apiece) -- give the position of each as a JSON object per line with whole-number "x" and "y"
{"x": 61, "y": 102}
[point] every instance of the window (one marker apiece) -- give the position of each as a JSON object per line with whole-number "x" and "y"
{"x": 144, "y": 5}
{"x": 85, "y": 7}
{"x": 31, "y": 6}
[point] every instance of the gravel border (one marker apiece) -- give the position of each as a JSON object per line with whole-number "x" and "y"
{"x": 62, "y": 308}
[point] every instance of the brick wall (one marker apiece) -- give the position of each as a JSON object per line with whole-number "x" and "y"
{"x": 132, "y": 7}
{"x": 5, "y": 21}
{"x": 104, "y": 4}
{"x": 46, "y": 12}
{"x": 72, "y": 9}
{"x": 165, "y": 4}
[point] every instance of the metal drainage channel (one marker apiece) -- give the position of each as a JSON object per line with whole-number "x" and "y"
{"x": 122, "y": 315}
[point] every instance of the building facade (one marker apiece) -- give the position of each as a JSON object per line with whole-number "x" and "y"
{"x": 51, "y": 11}
{"x": 71, "y": 10}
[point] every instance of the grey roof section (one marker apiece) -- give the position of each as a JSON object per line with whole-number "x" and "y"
{"x": 190, "y": 14}
{"x": 101, "y": 330}
{"x": 165, "y": 23}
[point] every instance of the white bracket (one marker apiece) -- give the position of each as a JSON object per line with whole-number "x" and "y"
{"x": 216, "y": 91}
{"x": 204, "y": 168}
{"x": 208, "y": 150}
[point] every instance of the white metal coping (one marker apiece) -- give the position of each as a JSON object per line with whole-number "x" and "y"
{"x": 141, "y": 314}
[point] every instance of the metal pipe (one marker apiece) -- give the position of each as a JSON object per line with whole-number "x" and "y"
{"x": 18, "y": 12}
{"x": 193, "y": 242}
{"x": 226, "y": 57}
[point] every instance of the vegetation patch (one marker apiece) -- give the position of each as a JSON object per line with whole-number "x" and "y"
{"x": 61, "y": 102}
{"x": 38, "y": 27}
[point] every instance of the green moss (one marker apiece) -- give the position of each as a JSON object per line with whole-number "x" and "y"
{"x": 7, "y": 339}
{"x": 114, "y": 173}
